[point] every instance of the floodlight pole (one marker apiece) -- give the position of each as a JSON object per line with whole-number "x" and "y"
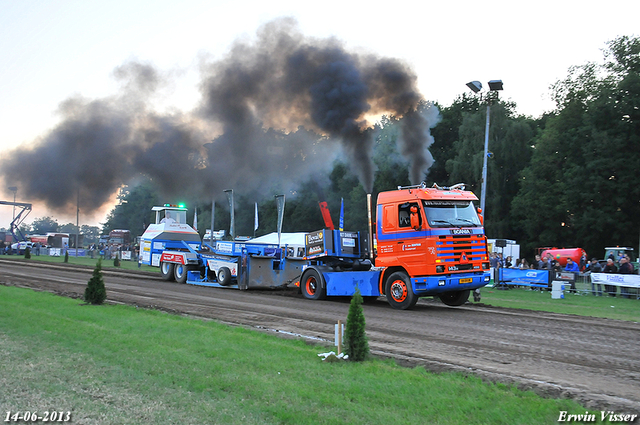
{"x": 483, "y": 195}
{"x": 494, "y": 86}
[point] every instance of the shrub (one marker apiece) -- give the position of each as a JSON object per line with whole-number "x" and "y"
{"x": 66, "y": 256}
{"x": 116, "y": 260}
{"x": 96, "y": 292}
{"x": 356, "y": 344}
{"x": 27, "y": 253}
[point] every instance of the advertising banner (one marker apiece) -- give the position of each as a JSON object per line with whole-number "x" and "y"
{"x": 629, "y": 280}
{"x": 523, "y": 277}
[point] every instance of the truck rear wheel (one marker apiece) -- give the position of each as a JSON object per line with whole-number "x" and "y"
{"x": 311, "y": 285}
{"x": 456, "y": 298}
{"x": 180, "y": 273}
{"x": 166, "y": 270}
{"x": 224, "y": 276}
{"x": 399, "y": 291}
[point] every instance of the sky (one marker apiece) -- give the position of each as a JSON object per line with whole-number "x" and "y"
{"x": 51, "y": 51}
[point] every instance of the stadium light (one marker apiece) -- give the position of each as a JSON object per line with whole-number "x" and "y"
{"x": 476, "y": 86}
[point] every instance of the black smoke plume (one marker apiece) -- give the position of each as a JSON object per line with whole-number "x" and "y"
{"x": 274, "y": 111}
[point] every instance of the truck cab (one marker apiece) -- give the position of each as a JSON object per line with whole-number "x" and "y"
{"x": 429, "y": 242}
{"x": 432, "y": 241}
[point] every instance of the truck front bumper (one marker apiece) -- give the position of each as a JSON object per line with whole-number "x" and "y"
{"x": 433, "y": 285}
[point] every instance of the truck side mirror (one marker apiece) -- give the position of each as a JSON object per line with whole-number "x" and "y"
{"x": 480, "y": 216}
{"x": 415, "y": 219}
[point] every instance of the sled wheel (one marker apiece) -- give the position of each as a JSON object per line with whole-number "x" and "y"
{"x": 180, "y": 273}
{"x": 224, "y": 276}
{"x": 166, "y": 269}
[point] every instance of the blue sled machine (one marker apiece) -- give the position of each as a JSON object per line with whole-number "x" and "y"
{"x": 176, "y": 248}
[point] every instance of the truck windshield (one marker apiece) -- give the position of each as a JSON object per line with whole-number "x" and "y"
{"x": 451, "y": 213}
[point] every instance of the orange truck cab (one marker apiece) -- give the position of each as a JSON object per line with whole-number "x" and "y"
{"x": 430, "y": 242}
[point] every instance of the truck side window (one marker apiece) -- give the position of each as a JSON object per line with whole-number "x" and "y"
{"x": 388, "y": 224}
{"x": 404, "y": 215}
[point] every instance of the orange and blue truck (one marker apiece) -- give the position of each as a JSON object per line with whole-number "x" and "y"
{"x": 429, "y": 241}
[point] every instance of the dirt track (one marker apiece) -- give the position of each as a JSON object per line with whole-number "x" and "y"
{"x": 595, "y": 361}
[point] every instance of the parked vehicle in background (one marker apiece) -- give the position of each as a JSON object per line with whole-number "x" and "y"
{"x": 20, "y": 247}
{"x": 616, "y": 252}
{"x": 561, "y": 254}
{"x": 119, "y": 238}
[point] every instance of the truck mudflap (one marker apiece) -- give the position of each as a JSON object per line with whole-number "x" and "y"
{"x": 434, "y": 285}
{"x": 345, "y": 283}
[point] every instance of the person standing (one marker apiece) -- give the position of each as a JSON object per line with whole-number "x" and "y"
{"x": 538, "y": 264}
{"x": 493, "y": 260}
{"x": 551, "y": 262}
{"x": 595, "y": 267}
{"x": 625, "y": 268}
{"x": 610, "y": 267}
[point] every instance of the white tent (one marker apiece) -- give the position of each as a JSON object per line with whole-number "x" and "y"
{"x": 294, "y": 242}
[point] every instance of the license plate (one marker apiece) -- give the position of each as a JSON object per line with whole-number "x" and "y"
{"x": 466, "y": 280}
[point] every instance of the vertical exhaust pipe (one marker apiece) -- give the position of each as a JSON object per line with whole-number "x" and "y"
{"x": 370, "y": 227}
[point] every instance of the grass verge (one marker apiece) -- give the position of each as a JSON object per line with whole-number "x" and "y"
{"x": 85, "y": 261}
{"x": 117, "y": 364}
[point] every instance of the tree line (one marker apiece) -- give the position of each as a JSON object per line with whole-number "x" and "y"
{"x": 565, "y": 179}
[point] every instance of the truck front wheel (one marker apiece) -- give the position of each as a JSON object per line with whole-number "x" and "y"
{"x": 456, "y": 298}
{"x": 311, "y": 286}
{"x": 166, "y": 270}
{"x": 399, "y": 292}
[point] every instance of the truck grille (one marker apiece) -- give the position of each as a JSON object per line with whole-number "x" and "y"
{"x": 461, "y": 248}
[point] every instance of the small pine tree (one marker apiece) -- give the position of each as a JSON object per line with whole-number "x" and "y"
{"x": 116, "y": 260}
{"x": 96, "y": 292}
{"x": 356, "y": 344}
{"x": 66, "y": 256}
{"x": 27, "y": 253}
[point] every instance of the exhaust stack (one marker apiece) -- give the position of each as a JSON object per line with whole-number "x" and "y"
{"x": 370, "y": 227}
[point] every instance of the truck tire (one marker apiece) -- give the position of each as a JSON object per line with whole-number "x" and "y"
{"x": 311, "y": 285}
{"x": 224, "y": 276}
{"x": 455, "y": 298}
{"x": 399, "y": 291}
{"x": 166, "y": 270}
{"x": 180, "y": 273}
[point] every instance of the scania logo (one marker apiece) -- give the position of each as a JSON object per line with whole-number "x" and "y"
{"x": 460, "y": 231}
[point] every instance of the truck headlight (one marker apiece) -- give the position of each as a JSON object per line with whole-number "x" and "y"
{"x": 442, "y": 282}
{"x": 439, "y": 269}
{"x": 487, "y": 278}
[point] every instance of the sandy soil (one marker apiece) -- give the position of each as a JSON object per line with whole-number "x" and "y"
{"x": 595, "y": 361}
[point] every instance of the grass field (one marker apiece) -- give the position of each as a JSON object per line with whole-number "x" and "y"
{"x": 582, "y": 305}
{"x": 121, "y": 365}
